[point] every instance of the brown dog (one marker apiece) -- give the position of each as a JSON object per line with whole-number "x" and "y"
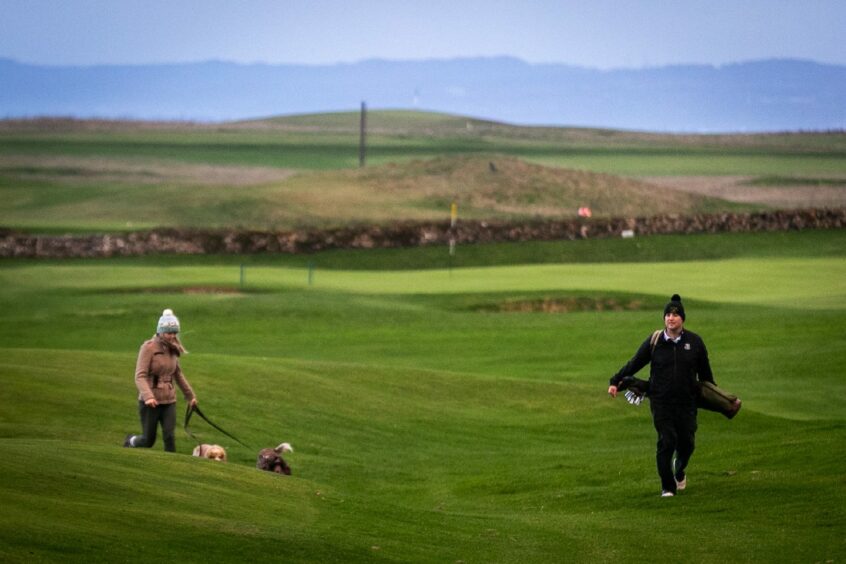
{"x": 269, "y": 459}
{"x": 212, "y": 452}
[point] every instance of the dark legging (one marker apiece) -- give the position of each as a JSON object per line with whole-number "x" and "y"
{"x": 676, "y": 426}
{"x": 151, "y": 417}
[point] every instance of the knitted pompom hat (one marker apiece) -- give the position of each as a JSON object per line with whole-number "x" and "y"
{"x": 168, "y": 323}
{"x": 675, "y": 306}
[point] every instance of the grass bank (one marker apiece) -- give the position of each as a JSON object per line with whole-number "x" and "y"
{"x": 428, "y": 425}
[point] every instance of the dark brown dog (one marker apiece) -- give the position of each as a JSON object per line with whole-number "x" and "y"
{"x": 269, "y": 459}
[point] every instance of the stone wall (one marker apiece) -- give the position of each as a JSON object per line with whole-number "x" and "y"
{"x": 402, "y": 234}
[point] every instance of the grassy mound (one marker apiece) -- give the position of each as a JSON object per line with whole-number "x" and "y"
{"x": 483, "y": 186}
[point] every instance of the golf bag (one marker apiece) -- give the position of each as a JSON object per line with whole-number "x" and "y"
{"x": 713, "y": 398}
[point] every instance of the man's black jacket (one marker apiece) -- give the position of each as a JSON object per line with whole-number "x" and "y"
{"x": 676, "y": 368}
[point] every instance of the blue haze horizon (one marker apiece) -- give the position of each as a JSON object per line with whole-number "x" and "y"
{"x": 755, "y": 96}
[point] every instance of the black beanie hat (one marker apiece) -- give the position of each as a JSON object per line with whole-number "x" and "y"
{"x": 675, "y": 305}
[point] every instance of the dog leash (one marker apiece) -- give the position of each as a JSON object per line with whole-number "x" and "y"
{"x": 191, "y": 409}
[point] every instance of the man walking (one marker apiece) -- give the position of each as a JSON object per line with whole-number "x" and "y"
{"x": 679, "y": 361}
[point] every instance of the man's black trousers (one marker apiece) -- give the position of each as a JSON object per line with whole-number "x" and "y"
{"x": 676, "y": 426}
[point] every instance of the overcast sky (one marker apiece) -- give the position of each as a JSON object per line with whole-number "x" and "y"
{"x": 592, "y": 33}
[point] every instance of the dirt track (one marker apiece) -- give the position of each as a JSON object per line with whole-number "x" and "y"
{"x": 140, "y": 171}
{"x": 736, "y": 189}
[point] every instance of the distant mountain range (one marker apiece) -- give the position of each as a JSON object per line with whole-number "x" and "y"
{"x": 769, "y": 95}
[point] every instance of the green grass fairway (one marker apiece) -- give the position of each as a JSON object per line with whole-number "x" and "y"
{"x": 430, "y": 424}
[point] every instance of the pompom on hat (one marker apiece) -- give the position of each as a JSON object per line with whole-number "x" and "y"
{"x": 675, "y": 306}
{"x": 168, "y": 323}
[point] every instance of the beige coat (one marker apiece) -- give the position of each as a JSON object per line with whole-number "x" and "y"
{"x": 156, "y": 370}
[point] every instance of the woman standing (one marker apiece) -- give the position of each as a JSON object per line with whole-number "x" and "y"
{"x": 156, "y": 371}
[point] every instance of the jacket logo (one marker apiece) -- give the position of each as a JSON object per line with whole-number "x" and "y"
{"x": 687, "y": 346}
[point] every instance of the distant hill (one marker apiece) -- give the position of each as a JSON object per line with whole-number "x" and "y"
{"x": 771, "y": 95}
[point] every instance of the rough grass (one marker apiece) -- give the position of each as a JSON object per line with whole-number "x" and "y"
{"x": 425, "y": 430}
{"x": 484, "y": 187}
